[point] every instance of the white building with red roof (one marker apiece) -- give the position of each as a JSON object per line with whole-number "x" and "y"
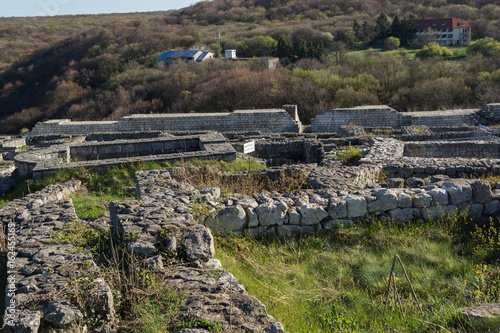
{"x": 446, "y": 32}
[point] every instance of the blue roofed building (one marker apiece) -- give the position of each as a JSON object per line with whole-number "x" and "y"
{"x": 184, "y": 55}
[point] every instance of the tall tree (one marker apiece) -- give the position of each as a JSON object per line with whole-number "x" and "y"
{"x": 383, "y": 27}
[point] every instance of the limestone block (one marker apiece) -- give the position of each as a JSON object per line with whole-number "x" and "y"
{"x": 99, "y": 300}
{"x": 141, "y": 247}
{"x": 492, "y": 208}
{"x": 421, "y": 200}
{"x": 458, "y": 191}
{"x": 476, "y": 210}
{"x": 312, "y": 214}
{"x": 231, "y": 219}
{"x": 213, "y": 191}
{"x": 61, "y": 313}
{"x": 253, "y": 220}
{"x": 481, "y": 191}
{"x": 439, "y": 197}
{"x": 356, "y": 206}
{"x": 292, "y": 230}
{"x": 404, "y": 215}
{"x": 337, "y": 224}
{"x": 24, "y": 321}
{"x": 294, "y": 216}
{"x": 404, "y": 200}
{"x": 260, "y": 232}
{"x": 337, "y": 208}
{"x": 200, "y": 245}
{"x": 385, "y": 200}
{"x": 483, "y": 310}
{"x": 271, "y": 213}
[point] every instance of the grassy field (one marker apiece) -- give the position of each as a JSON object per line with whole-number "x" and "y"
{"x": 337, "y": 282}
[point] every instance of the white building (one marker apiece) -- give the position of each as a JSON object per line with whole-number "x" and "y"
{"x": 445, "y": 32}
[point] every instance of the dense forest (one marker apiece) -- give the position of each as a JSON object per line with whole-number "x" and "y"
{"x": 97, "y": 67}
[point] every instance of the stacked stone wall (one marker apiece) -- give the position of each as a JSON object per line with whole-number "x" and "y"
{"x": 447, "y": 149}
{"x": 274, "y": 120}
{"x": 366, "y": 116}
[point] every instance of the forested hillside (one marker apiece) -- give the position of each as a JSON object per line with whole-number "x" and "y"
{"x": 103, "y": 66}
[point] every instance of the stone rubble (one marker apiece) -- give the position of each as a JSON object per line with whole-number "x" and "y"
{"x": 45, "y": 270}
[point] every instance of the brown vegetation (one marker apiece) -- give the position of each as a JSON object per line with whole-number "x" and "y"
{"x": 104, "y": 67}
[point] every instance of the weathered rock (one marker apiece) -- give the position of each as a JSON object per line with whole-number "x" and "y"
{"x": 414, "y": 182}
{"x": 422, "y": 200}
{"x": 312, "y": 214}
{"x": 404, "y": 200}
{"x": 213, "y": 191}
{"x": 275, "y": 328}
{"x": 356, "y": 206}
{"x": 99, "y": 300}
{"x": 200, "y": 245}
{"x": 385, "y": 200}
{"x": 403, "y": 215}
{"x": 294, "y": 216}
{"x": 396, "y": 182}
{"x": 253, "y": 219}
{"x": 61, "y": 313}
{"x": 481, "y": 191}
{"x": 292, "y": 230}
{"x": 141, "y": 247}
{"x": 439, "y": 197}
{"x": 476, "y": 210}
{"x": 231, "y": 219}
{"x": 23, "y": 321}
{"x": 272, "y": 214}
{"x": 337, "y": 208}
{"x": 458, "y": 191}
{"x": 484, "y": 310}
{"x": 492, "y": 208}
{"x": 155, "y": 263}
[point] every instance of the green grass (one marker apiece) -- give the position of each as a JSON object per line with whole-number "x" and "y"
{"x": 337, "y": 281}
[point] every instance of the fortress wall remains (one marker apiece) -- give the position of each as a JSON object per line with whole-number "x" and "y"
{"x": 267, "y": 121}
{"x": 447, "y": 149}
{"x": 366, "y": 116}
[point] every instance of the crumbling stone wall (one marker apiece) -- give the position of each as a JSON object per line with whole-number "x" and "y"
{"x": 445, "y": 149}
{"x": 40, "y": 269}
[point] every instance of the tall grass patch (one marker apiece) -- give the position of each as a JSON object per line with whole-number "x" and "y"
{"x": 337, "y": 281}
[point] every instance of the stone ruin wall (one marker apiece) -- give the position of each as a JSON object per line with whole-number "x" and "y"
{"x": 384, "y": 116}
{"x": 272, "y": 121}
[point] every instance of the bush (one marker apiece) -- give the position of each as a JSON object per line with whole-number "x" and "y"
{"x": 433, "y": 50}
{"x": 391, "y": 43}
{"x": 488, "y": 47}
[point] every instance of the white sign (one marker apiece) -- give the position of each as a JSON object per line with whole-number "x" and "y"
{"x": 249, "y": 147}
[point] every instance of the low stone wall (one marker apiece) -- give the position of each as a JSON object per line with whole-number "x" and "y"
{"x": 446, "y": 149}
{"x": 449, "y": 117}
{"x": 45, "y": 161}
{"x": 40, "y": 270}
{"x": 272, "y": 121}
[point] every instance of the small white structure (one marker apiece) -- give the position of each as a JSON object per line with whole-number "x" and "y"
{"x": 230, "y": 54}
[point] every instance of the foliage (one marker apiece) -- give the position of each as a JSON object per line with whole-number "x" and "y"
{"x": 487, "y": 47}
{"x": 391, "y": 43}
{"x": 349, "y": 154}
{"x": 433, "y": 50}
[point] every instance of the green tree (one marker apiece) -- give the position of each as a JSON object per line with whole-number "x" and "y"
{"x": 487, "y": 46}
{"x": 383, "y": 27}
{"x": 391, "y": 43}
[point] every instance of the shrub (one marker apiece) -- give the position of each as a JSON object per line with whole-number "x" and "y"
{"x": 488, "y": 47}
{"x": 391, "y": 43}
{"x": 350, "y": 154}
{"x": 433, "y": 50}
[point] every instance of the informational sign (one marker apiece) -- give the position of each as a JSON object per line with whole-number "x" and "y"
{"x": 249, "y": 147}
